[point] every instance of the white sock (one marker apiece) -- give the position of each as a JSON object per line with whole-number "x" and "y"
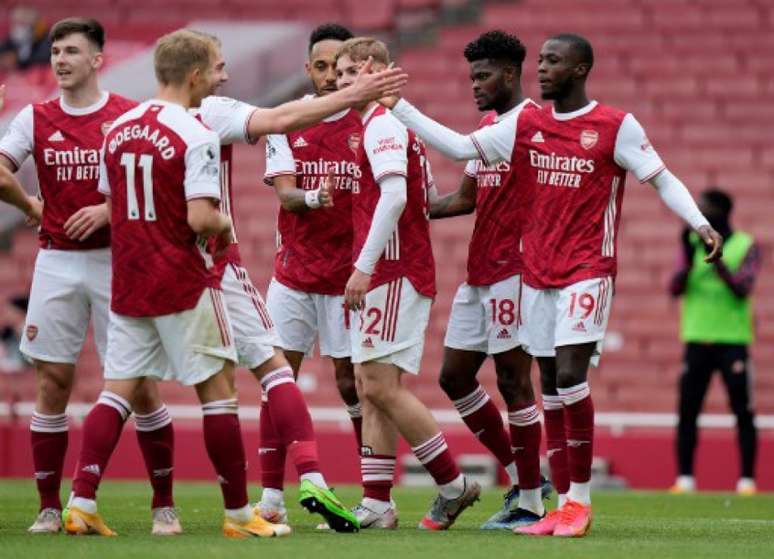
{"x": 86, "y": 505}
{"x": 580, "y": 492}
{"x": 687, "y": 483}
{"x": 316, "y": 478}
{"x": 379, "y": 507}
{"x": 561, "y": 499}
{"x": 513, "y": 474}
{"x": 273, "y": 497}
{"x": 454, "y": 488}
{"x": 243, "y": 514}
{"x": 531, "y": 500}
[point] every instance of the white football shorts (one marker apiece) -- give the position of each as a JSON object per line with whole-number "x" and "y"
{"x": 69, "y": 287}
{"x": 572, "y": 315}
{"x": 391, "y": 328}
{"x": 254, "y": 334}
{"x": 486, "y": 318}
{"x": 301, "y": 317}
{"x": 188, "y": 346}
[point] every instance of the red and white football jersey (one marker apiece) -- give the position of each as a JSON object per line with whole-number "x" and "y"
{"x": 228, "y": 118}
{"x": 576, "y": 164}
{"x": 501, "y": 210}
{"x": 314, "y": 248}
{"x": 64, "y": 142}
{"x": 156, "y": 158}
{"x": 389, "y": 148}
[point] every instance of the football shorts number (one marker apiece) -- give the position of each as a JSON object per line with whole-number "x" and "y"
{"x": 503, "y": 312}
{"x": 585, "y": 301}
{"x": 129, "y": 161}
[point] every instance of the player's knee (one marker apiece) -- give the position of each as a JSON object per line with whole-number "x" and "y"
{"x": 347, "y": 389}
{"x": 454, "y": 384}
{"x": 515, "y": 388}
{"x": 566, "y": 378}
{"x": 54, "y": 385}
{"x": 147, "y": 398}
{"x": 376, "y": 392}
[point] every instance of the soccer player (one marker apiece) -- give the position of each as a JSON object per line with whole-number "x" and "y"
{"x": 573, "y": 158}
{"x": 314, "y": 257}
{"x": 485, "y": 317}
{"x": 284, "y": 412}
{"x": 392, "y": 287}
{"x": 71, "y": 281}
{"x": 160, "y": 172}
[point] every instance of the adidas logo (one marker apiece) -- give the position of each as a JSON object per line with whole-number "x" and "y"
{"x": 266, "y": 450}
{"x": 515, "y": 449}
{"x": 368, "y": 343}
{"x": 579, "y": 327}
{"x": 574, "y": 443}
{"x": 551, "y": 451}
{"x": 504, "y": 334}
{"x": 43, "y": 475}
{"x": 56, "y": 137}
{"x": 92, "y": 469}
{"x": 162, "y": 472}
{"x": 300, "y": 143}
{"x": 478, "y": 433}
{"x": 538, "y": 138}
{"x": 222, "y": 480}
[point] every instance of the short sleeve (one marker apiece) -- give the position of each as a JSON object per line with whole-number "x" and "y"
{"x": 228, "y": 118}
{"x": 279, "y": 158}
{"x": 471, "y": 168}
{"x": 103, "y": 185}
{"x": 17, "y": 143}
{"x": 634, "y": 152}
{"x": 386, "y": 146}
{"x": 202, "y": 169}
{"x": 495, "y": 143}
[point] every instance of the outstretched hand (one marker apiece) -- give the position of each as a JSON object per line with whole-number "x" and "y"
{"x": 370, "y": 86}
{"x": 713, "y": 240}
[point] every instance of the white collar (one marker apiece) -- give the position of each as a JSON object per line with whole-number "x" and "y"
{"x": 80, "y": 111}
{"x": 369, "y": 112}
{"x": 574, "y": 114}
{"x": 518, "y": 107}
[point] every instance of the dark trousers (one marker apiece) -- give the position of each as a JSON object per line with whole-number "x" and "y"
{"x": 701, "y": 360}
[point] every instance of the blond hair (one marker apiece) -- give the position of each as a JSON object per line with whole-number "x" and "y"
{"x": 360, "y": 48}
{"x": 180, "y": 52}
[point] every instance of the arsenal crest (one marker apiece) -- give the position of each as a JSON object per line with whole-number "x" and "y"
{"x": 32, "y": 332}
{"x": 588, "y": 138}
{"x": 354, "y": 142}
{"x": 106, "y": 126}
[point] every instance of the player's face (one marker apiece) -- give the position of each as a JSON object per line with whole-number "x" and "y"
{"x": 488, "y": 83}
{"x": 74, "y": 60}
{"x": 556, "y": 69}
{"x": 321, "y": 67}
{"x": 216, "y": 74}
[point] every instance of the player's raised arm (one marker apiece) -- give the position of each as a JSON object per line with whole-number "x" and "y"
{"x": 11, "y": 192}
{"x": 295, "y": 115}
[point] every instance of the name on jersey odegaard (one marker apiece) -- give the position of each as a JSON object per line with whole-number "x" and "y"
{"x": 73, "y": 164}
{"x": 560, "y": 170}
{"x": 312, "y": 173}
{"x": 138, "y": 132}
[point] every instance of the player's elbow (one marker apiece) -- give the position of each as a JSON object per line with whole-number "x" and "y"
{"x": 202, "y": 216}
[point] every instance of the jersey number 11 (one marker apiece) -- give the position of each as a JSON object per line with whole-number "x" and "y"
{"x": 129, "y": 161}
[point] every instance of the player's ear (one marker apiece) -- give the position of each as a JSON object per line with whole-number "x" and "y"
{"x": 98, "y": 60}
{"x": 308, "y": 68}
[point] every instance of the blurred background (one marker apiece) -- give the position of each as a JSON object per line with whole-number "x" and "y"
{"x": 699, "y": 76}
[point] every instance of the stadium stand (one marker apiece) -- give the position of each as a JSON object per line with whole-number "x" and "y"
{"x": 695, "y": 73}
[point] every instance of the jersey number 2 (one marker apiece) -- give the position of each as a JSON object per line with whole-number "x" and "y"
{"x": 129, "y": 161}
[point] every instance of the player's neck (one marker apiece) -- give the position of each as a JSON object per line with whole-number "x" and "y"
{"x": 174, "y": 94}
{"x": 366, "y": 108}
{"x": 81, "y": 97}
{"x": 572, "y": 102}
{"x": 512, "y": 103}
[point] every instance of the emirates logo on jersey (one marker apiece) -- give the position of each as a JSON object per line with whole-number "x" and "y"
{"x": 106, "y": 126}
{"x": 588, "y": 138}
{"x": 32, "y": 332}
{"x": 354, "y": 142}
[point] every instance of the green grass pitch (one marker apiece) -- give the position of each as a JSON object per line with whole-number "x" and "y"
{"x": 633, "y": 525}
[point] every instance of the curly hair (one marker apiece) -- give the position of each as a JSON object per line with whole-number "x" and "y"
{"x": 496, "y": 45}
